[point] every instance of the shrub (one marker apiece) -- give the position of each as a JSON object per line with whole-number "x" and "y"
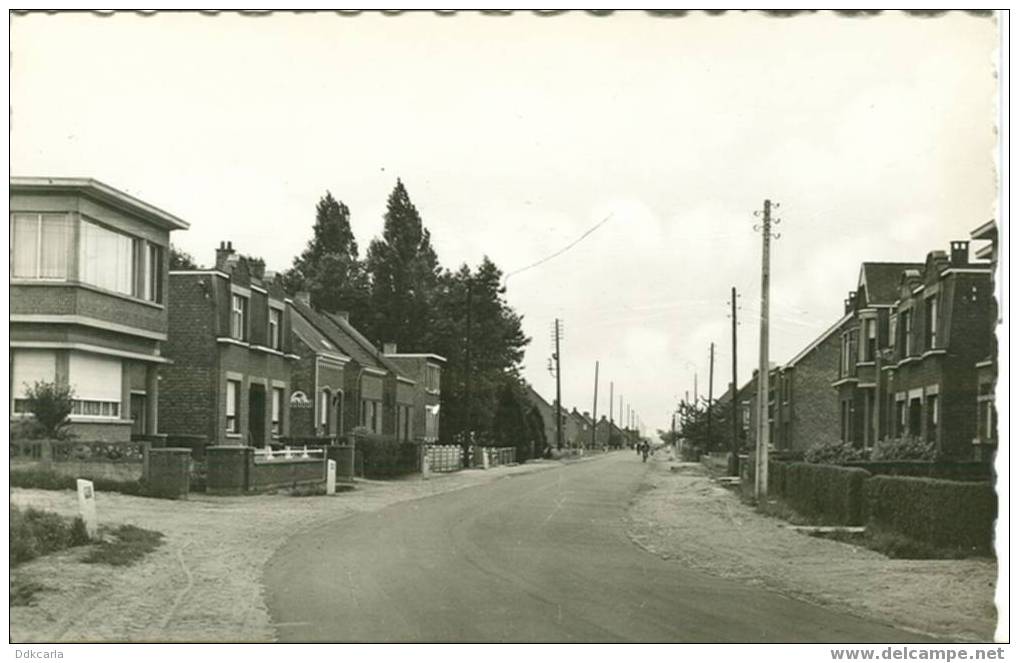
{"x": 825, "y": 492}
{"x": 907, "y": 448}
{"x": 834, "y": 453}
{"x": 43, "y": 479}
{"x": 34, "y": 533}
{"x": 947, "y": 514}
{"x": 51, "y": 403}
{"x": 26, "y": 429}
{"x": 129, "y": 544}
{"x": 384, "y": 457}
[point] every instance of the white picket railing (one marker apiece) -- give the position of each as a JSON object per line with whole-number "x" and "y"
{"x": 444, "y": 457}
{"x": 288, "y": 453}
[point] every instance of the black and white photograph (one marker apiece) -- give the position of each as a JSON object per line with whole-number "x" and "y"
{"x": 509, "y": 326}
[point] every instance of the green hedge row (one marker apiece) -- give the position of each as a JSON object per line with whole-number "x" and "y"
{"x": 940, "y": 512}
{"x": 827, "y": 491}
{"x": 383, "y": 457}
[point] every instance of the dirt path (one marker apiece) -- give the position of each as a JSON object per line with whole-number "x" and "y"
{"x": 204, "y": 583}
{"x": 686, "y": 517}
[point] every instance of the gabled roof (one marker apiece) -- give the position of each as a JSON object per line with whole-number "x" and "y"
{"x": 880, "y": 280}
{"x": 536, "y": 398}
{"x": 312, "y": 337}
{"x": 348, "y": 340}
{"x": 818, "y": 341}
{"x": 104, "y": 193}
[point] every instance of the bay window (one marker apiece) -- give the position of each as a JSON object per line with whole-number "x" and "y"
{"x": 152, "y": 288}
{"x": 106, "y": 259}
{"x": 42, "y": 246}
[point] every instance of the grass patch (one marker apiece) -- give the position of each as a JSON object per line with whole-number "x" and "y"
{"x": 778, "y": 508}
{"x": 43, "y": 479}
{"x": 128, "y": 545}
{"x": 34, "y": 533}
{"x": 894, "y": 545}
{"x": 23, "y": 591}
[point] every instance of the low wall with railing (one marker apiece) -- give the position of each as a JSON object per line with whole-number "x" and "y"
{"x": 444, "y": 458}
{"x": 94, "y": 460}
{"x": 236, "y": 469}
{"x": 494, "y": 456}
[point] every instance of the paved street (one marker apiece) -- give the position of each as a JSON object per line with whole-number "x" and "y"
{"x": 538, "y": 557}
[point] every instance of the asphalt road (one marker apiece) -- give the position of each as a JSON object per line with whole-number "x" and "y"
{"x": 540, "y": 557}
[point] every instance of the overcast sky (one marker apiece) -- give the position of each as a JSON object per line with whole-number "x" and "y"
{"x": 515, "y": 135}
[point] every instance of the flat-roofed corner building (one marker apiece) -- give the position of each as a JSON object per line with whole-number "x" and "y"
{"x": 88, "y": 287}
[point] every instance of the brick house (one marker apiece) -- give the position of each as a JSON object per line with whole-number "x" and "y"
{"x": 547, "y": 412}
{"x": 377, "y": 396}
{"x": 908, "y": 366}
{"x": 232, "y": 354}
{"x": 804, "y": 409}
{"x": 88, "y": 301}
{"x": 426, "y": 372}
{"x": 985, "y": 440}
{"x": 317, "y": 398}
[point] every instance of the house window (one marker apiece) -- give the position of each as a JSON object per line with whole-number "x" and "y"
{"x": 107, "y": 259}
{"x": 96, "y": 381}
{"x": 239, "y": 317}
{"x": 892, "y": 329}
{"x": 932, "y": 417}
{"x": 275, "y": 324}
{"x": 233, "y": 406}
{"x": 432, "y": 378}
{"x": 41, "y": 246}
{"x": 931, "y": 322}
{"x": 153, "y": 286}
{"x": 907, "y": 332}
{"x": 915, "y": 416}
{"x": 323, "y": 409}
{"x": 900, "y": 417}
{"x": 868, "y": 349}
{"x": 277, "y": 410}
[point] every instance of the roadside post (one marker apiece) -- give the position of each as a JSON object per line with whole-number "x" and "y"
{"x": 426, "y": 468}
{"x": 330, "y": 477}
{"x": 87, "y": 507}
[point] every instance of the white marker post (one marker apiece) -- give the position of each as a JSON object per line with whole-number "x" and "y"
{"x": 484, "y": 458}
{"x": 87, "y": 506}
{"x": 331, "y": 477}
{"x": 426, "y": 465}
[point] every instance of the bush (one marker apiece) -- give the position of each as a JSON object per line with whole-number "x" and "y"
{"x": 128, "y": 545}
{"x": 34, "y": 533}
{"x": 825, "y": 492}
{"x": 384, "y": 457}
{"x": 834, "y": 453}
{"x": 947, "y": 514}
{"x": 51, "y": 404}
{"x": 907, "y": 448}
{"x": 43, "y": 479}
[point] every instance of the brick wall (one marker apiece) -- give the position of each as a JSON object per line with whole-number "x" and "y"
{"x": 813, "y": 404}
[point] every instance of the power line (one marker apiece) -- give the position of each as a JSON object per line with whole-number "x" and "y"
{"x": 560, "y": 251}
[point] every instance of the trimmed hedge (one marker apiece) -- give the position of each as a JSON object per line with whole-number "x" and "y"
{"x": 384, "y": 457}
{"x": 954, "y": 470}
{"x": 829, "y": 492}
{"x": 953, "y": 514}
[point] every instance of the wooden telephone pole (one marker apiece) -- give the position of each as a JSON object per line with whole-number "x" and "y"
{"x": 711, "y": 385}
{"x": 558, "y": 392}
{"x": 594, "y": 410}
{"x": 763, "y": 371}
{"x": 734, "y": 444}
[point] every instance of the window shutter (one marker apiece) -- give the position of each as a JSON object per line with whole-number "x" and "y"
{"x": 95, "y": 378}
{"x": 31, "y": 366}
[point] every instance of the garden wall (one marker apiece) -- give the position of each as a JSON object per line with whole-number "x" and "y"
{"x": 94, "y": 460}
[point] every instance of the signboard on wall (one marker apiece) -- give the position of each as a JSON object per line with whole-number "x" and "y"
{"x": 299, "y": 399}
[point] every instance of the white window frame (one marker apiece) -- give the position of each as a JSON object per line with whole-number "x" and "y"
{"x": 931, "y": 319}
{"x": 277, "y": 411}
{"x": 239, "y": 316}
{"x": 275, "y": 336}
{"x": 233, "y": 405}
{"x": 38, "y": 247}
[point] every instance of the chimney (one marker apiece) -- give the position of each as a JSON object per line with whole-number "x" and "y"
{"x": 304, "y": 297}
{"x": 389, "y": 348}
{"x": 960, "y": 253}
{"x": 850, "y": 302}
{"x": 223, "y": 255}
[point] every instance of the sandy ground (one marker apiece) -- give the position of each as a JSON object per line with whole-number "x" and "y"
{"x": 204, "y": 583}
{"x": 686, "y": 517}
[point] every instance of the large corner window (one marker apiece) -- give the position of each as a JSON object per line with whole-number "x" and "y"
{"x": 152, "y": 288}
{"x": 41, "y": 246}
{"x": 239, "y": 317}
{"x": 233, "y": 406}
{"x": 106, "y": 259}
{"x": 275, "y": 327}
{"x": 432, "y": 378}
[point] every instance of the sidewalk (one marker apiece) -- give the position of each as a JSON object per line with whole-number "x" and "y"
{"x": 204, "y": 583}
{"x": 686, "y": 517}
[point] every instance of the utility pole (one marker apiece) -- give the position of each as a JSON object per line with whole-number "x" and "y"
{"x": 558, "y": 393}
{"x": 594, "y": 410}
{"x": 763, "y": 372}
{"x": 695, "y": 388}
{"x": 734, "y": 444}
{"x": 467, "y": 368}
{"x": 711, "y": 385}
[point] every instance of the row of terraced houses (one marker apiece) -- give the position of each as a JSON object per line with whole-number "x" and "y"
{"x": 914, "y": 356}
{"x": 221, "y": 353}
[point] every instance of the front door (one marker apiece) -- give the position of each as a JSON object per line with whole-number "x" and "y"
{"x": 256, "y": 415}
